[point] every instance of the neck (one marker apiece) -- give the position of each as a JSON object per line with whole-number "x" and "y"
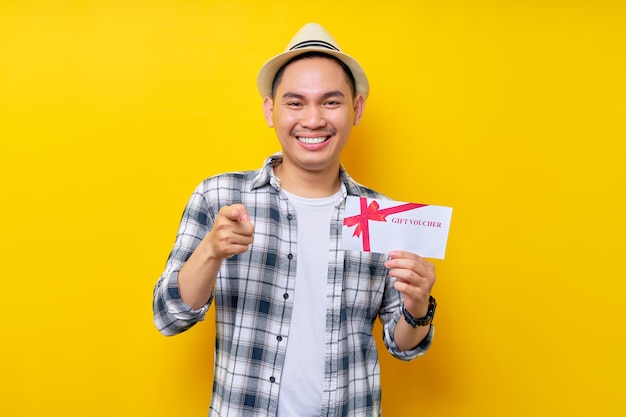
{"x": 308, "y": 184}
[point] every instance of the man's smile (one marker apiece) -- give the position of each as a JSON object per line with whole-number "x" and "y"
{"x": 312, "y": 141}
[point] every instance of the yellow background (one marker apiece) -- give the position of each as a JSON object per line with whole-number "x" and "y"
{"x": 512, "y": 112}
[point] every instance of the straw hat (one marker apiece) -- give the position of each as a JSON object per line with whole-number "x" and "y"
{"x": 312, "y": 37}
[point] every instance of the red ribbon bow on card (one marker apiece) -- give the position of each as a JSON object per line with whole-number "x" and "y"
{"x": 372, "y": 212}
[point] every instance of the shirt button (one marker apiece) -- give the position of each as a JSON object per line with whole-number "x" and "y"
{"x": 285, "y": 296}
{"x": 290, "y": 256}
{"x": 272, "y": 379}
{"x": 279, "y": 338}
{"x": 289, "y": 217}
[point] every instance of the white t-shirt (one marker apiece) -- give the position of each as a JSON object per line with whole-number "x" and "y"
{"x": 302, "y": 380}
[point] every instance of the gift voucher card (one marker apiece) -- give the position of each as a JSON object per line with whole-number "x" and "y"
{"x": 377, "y": 225}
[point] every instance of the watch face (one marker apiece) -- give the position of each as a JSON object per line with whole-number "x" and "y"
{"x": 432, "y": 306}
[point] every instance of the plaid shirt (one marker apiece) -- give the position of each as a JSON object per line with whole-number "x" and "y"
{"x": 253, "y": 298}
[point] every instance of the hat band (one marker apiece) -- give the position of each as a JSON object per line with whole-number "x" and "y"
{"x": 314, "y": 43}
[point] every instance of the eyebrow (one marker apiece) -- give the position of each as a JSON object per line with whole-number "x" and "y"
{"x": 334, "y": 93}
{"x": 289, "y": 94}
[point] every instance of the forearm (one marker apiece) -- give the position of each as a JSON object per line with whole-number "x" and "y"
{"x": 406, "y": 337}
{"x": 196, "y": 278}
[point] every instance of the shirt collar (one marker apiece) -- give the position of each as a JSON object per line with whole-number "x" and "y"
{"x": 265, "y": 176}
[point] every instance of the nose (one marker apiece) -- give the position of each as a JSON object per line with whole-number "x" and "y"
{"x": 313, "y": 117}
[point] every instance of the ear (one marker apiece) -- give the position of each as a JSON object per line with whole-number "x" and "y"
{"x": 359, "y": 107}
{"x": 268, "y": 111}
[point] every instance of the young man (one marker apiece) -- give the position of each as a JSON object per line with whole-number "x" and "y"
{"x": 294, "y": 312}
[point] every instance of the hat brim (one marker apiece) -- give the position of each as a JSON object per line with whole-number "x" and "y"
{"x": 270, "y": 68}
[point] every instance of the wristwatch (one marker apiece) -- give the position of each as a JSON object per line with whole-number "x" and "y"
{"x": 424, "y": 321}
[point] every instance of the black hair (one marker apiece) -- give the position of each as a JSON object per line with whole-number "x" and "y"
{"x": 315, "y": 54}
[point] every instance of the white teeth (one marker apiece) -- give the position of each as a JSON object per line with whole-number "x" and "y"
{"x": 312, "y": 141}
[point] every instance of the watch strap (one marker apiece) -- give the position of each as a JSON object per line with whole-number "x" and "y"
{"x": 424, "y": 321}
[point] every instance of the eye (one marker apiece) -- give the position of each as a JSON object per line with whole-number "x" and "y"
{"x": 294, "y": 104}
{"x": 333, "y": 103}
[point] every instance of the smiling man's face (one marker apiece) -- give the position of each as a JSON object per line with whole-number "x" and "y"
{"x": 313, "y": 113}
